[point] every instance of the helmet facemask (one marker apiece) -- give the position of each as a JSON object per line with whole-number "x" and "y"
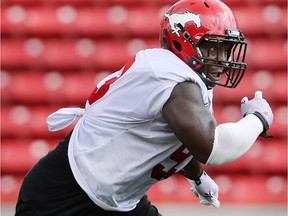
{"x": 232, "y": 67}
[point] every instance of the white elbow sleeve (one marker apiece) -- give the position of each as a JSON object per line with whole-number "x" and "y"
{"x": 232, "y": 140}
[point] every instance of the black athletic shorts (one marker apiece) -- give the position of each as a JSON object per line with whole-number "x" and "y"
{"x": 50, "y": 188}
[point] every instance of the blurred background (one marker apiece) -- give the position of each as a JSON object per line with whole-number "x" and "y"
{"x": 53, "y": 52}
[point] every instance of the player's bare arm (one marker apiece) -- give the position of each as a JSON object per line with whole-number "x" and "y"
{"x": 197, "y": 129}
{"x": 193, "y": 170}
{"x": 190, "y": 120}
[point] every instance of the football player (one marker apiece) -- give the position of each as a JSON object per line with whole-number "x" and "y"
{"x": 149, "y": 120}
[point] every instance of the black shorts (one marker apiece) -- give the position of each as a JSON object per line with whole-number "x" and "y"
{"x": 50, "y": 188}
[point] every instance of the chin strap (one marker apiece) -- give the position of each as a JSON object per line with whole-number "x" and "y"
{"x": 200, "y": 72}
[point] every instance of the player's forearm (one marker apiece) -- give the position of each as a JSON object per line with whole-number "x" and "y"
{"x": 193, "y": 169}
{"x": 232, "y": 140}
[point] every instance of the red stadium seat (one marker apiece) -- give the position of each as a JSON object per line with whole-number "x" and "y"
{"x": 10, "y": 186}
{"x": 131, "y": 21}
{"x": 133, "y": 2}
{"x": 232, "y": 113}
{"x": 70, "y": 53}
{"x": 273, "y": 84}
{"x": 75, "y": 86}
{"x": 271, "y": 20}
{"x": 30, "y": 121}
{"x": 267, "y": 54}
{"x": 266, "y": 156}
{"x": 90, "y": 21}
{"x": 52, "y": 86}
{"x": 263, "y": 158}
{"x": 23, "y": 121}
{"x": 93, "y": 2}
{"x": 246, "y": 3}
{"x": 112, "y": 54}
{"x": 19, "y": 155}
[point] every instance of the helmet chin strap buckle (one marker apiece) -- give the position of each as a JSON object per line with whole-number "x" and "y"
{"x": 198, "y": 67}
{"x": 194, "y": 63}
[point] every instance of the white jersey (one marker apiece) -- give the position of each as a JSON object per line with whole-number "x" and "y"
{"x": 122, "y": 145}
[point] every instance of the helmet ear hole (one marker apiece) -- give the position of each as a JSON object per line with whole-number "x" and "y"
{"x": 177, "y": 45}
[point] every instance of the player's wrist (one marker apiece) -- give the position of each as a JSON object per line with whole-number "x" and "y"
{"x": 193, "y": 170}
{"x": 265, "y": 125}
{"x": 197, "y": 180}
{"x": 194, "y": 176}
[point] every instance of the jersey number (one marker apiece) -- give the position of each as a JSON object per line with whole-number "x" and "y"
{"x": 178, "y": 156}
{"x": 102, "y": 87}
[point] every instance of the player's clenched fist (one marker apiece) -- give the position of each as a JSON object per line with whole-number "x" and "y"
{"x": 259, "y": 107}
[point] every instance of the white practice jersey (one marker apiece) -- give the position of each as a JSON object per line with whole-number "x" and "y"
{"x": 122, "y": 145}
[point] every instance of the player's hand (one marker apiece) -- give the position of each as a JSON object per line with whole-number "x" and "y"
{"x": 259, "y": 107}
{"x": 206, "y": 189}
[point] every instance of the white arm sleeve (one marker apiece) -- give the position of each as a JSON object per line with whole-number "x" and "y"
{"x": 232, "y": 140}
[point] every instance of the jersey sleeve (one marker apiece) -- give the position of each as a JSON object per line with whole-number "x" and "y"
{"x": 167, "y": 71}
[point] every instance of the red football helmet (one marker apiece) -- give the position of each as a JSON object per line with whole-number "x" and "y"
{"x": 188, "y": 24}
